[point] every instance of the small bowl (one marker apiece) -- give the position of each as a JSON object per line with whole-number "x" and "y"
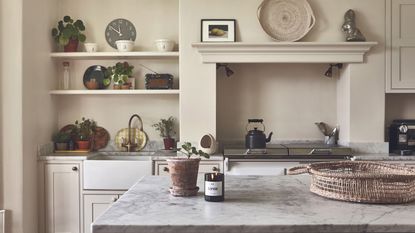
{"x": 164, "y": 45}
{"x": 91, "y": 47}
{"x": 124, "y": 45}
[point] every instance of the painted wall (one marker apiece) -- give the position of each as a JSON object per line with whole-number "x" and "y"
{"x": 360, "y": 124}
{"x": 12, "y": 128}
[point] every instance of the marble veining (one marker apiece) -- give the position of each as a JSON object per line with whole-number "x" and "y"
{"x": 253, "y": 204}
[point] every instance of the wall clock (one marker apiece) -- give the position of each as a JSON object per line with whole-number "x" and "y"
{"x": 120, "y": 29}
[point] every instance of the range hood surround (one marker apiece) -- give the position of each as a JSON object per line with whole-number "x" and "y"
{"x": 284, "y": 52}
{"x": 350, "y": 53}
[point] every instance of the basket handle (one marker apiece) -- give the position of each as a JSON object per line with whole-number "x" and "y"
{"x": 299, "y": 170}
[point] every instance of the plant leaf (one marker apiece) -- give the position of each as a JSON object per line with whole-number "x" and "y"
{"x": 66, "y": 19}
{"x": 81, "y": 37}
{"x": 54, "y": 32}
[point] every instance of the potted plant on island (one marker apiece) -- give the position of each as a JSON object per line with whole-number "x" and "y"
{"x": 61, "y": 140}
{"x": 85, "y": 129}
{"x": 184, "y": 171}
{"x": 165, "y": 128}
{"x": 121, "y": 75}
{"x": 69, "y": 33}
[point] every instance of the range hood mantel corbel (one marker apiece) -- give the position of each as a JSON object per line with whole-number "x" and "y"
{"x": 284, "y": 52}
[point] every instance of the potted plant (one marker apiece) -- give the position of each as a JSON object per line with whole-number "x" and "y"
{"x": 165, "y": 128}
{"x": 120, "y": 74}
{"x": 85, "y": 130}
{"x": 69, "y": 33}
{"x": 61, "y": 140}
{"x": 183, "y": 171}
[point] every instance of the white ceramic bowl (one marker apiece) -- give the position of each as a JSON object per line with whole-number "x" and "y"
{"x": 164, "y": 45}
{"x": 91, "y": 47}
{"x": 124, "y": 45}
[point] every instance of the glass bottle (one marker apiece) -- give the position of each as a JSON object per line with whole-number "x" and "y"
{"x": 214, "y": 187}
{"x": 66, "y": 77}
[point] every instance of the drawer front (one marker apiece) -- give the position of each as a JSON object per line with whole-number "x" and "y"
{"x": 162, "y": 168}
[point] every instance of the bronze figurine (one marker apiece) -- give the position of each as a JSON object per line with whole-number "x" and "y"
{"x": 351, "y": 32}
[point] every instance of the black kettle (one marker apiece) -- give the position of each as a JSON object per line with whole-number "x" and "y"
{"x": 255, "y": 138}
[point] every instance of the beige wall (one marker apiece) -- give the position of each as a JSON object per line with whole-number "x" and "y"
{"x": 198, "y": 110}
{"x": 11, "y": 96}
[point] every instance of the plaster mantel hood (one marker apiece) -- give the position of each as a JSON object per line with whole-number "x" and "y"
{"x": 284, "y": 52}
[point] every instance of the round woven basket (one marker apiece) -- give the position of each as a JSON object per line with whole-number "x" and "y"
{"x": 286, "y": 20}
{"x": 364, "y": 182}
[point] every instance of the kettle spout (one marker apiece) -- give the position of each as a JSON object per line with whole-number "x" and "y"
{"x": 269, "y": 137}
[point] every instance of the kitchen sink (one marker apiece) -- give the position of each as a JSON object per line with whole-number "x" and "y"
{"x": 115, "y": 170}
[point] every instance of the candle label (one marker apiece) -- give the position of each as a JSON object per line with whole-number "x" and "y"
{"x": 213, "y": 188}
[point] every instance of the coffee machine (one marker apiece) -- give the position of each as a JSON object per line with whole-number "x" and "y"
{"x": 402, "y": 137}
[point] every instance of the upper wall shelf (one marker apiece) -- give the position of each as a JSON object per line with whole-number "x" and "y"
{"x": 116, "y": 92}
{"x": 116, "y": 55}
{"x": 284, "y": 52}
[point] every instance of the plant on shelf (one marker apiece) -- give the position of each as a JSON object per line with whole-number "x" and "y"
{"x": 85, "y": 129}
{"x": 183, "y": 171}
{"x": 120, "y": 75}
{"x": 61, "y": 140}
{"x": 165, "y": 128}
{"x": 68, "y": 33}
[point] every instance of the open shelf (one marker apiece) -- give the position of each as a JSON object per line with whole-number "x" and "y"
{"x": 115, "y": 92}
{"x": 116, "y": 55}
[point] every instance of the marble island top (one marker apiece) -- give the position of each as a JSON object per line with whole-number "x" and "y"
{"x": 252, "y": 205}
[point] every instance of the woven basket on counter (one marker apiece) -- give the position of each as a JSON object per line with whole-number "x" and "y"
{"x": 364, "y": 182}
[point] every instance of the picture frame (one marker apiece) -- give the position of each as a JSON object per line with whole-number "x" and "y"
{"x": 218, "y": 30}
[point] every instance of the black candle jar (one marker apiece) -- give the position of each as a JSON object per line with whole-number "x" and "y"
{"x": 214, "y": 187}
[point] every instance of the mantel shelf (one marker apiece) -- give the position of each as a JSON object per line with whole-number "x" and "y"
{"x": 116, "y": 55}
{"x": 115, "y": 92}
{"x": 284, "y": 52}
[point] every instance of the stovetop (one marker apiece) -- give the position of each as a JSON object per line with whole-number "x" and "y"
{"x": 290, "y": 151}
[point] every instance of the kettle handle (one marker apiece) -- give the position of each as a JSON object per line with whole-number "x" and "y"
{"x": 255, "y": 121}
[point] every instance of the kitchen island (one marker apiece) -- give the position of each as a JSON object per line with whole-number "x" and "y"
{"x": 252, "y": 205}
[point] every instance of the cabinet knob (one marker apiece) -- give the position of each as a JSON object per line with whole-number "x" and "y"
{"x": 114, "y": 199}
{"x": 74, "y": 169}
{"x": 166, "y": 169}
{"x": 215, "y": 169}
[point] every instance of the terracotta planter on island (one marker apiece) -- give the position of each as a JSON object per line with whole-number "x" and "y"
{"x": 183, "y": 173}
{"x": 169, "y": 143}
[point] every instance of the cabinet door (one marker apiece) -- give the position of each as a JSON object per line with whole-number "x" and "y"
{"x": 403, "y": 44}
{"x": 62, "y": 191}
{"x": 94, "y": 206}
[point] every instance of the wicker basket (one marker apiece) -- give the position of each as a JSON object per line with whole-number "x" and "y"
{"x": 364, "y": 182}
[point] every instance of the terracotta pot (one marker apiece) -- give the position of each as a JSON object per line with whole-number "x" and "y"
{"x": 61, "y": 146}
{"x": 72, "y": 46}
{"x": 183, "y": 173}
{"x": 169, "y": 143}
{"x": 126, "y": 86}
{"x": 116, "y": 87}
{"x": 83, "y": 145}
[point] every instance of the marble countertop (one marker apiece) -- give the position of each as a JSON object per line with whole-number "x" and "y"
{"x": 252, "y": 204}
{"x": 382, "y": 157}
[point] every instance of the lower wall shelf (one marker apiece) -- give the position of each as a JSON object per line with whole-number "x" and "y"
{"x": 115, "y": 92}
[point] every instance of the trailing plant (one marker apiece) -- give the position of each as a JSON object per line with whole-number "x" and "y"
{"x": 61, "y": 137}
{"x": 165, "y": 127}
{"x": 190, "y": 150}
{"x": 119, "y": 73}
{"x": 85, "y": 128}
{"x": 68, "y": 29}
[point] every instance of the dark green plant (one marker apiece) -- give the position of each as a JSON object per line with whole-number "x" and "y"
{"x": 68, "y": 29}
{"x": 165, "y": 127}
{"x": 190, "y": 150}
{"x": 85, "y": 128}
{"x": 61, "y": 137}
{"x": 119, "y": 73}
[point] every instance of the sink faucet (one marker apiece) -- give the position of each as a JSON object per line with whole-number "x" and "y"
{"x": 131, "y": 145}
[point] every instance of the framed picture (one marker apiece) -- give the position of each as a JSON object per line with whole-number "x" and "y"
{"x": 218, "y": 30}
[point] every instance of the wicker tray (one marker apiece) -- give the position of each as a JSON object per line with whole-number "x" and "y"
{"x": 286, "y": 20}
{"x": 364, "y": 182}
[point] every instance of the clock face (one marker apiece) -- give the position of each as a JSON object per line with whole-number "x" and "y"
{"x": 119, "y": 29}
